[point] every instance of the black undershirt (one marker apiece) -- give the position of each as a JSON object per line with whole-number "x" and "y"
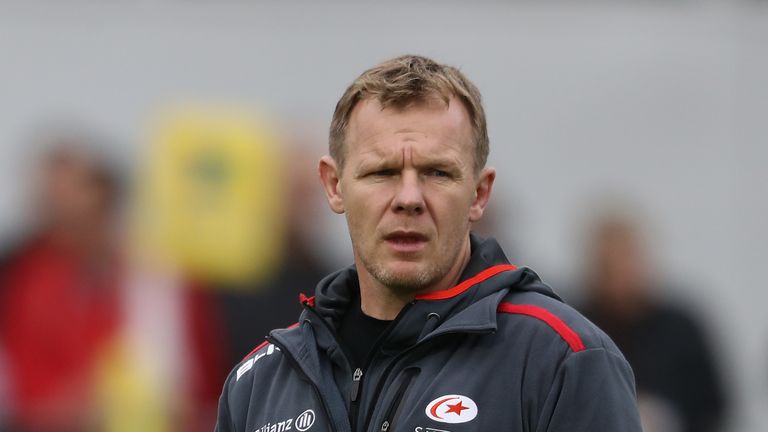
{"x": 358, "y": 333}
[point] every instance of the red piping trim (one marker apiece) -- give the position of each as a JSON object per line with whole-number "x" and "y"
{"x": 263, "y": 344}
{"x": 467, "y": 284}
{"x": 309, "y": 301}
{"x": 569, "y": 336}
{"x": 260, "y": 346}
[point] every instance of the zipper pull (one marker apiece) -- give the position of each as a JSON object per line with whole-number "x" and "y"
{"x": 356, "y": 383}
{"x": 384, "y": 426}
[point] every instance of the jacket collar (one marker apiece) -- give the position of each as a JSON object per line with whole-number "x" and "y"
{"x": 470, "y": 306}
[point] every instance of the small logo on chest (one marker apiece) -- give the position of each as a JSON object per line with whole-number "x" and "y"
{"x": 305, "y": 420}
{"x": 302, "y": 423}
{"x": 452, "y": 409}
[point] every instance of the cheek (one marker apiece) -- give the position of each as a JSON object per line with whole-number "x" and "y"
{"x": 369, "y": 198}
{"x": 451, "y": 207}
{"x": 363, "y": 209}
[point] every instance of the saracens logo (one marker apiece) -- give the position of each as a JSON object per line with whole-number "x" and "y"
{"x": 452, "y": 409}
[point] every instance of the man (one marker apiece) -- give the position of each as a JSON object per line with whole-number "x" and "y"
{"x": 682, "y": 389}
{"x": 432, "y": 329}
{"x": 59, "y": 290}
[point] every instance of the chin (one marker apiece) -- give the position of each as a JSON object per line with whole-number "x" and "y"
{"x": 406, "y": 277}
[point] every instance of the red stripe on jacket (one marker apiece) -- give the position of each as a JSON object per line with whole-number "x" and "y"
{"x": 569, "y": 336}
{"x": 467, "y": 284}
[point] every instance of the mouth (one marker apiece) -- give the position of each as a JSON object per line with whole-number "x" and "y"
{"x": 406, "y": 241}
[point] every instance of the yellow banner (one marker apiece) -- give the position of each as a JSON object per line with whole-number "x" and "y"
{"x": 210, "y": 194}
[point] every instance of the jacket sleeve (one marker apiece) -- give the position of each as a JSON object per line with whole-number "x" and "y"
{"x": 593, "y": 391}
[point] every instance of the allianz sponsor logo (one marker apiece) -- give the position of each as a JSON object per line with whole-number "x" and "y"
{"x": 302, "y": 422}
{"x": 245, "y": 367}
{"x": 305, "y": 420}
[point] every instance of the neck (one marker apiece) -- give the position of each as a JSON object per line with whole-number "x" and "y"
{"x": 381, "y": 303}
{"x": 81, "y": 240}
{"x": 385, "y": 303}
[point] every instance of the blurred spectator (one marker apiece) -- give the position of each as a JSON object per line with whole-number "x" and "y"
{"x": 89, "y": 340}
{"x": 58, "y": 294}
{"x": 679, "y": 388}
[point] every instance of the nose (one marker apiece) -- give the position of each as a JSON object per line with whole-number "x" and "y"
{"x": 409, "y": 197}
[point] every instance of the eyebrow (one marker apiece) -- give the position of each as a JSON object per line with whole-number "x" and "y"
{"x": 444, "y": 163}
{"x": 381, "y": 162}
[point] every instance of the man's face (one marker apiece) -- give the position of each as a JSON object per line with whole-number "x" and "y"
{"x": 409, "y": 191}
{"x": 70, "y": 195}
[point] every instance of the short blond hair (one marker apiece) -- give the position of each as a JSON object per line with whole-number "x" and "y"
{"x": 402, "y": 82}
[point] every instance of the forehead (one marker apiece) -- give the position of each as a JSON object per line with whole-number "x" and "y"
{"x": 433, "y": 125}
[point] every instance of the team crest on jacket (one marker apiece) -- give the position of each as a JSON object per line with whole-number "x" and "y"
{"x": 452, "y": 409}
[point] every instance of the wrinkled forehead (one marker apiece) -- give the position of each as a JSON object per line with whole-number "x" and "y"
{"x": 445, "y": 125}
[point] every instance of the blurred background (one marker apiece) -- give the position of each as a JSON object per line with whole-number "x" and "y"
{"x": 159, "y": 211}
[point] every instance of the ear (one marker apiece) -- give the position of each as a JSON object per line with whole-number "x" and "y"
{"x": 329, "y": 178}
{"x": 482, "y": 193}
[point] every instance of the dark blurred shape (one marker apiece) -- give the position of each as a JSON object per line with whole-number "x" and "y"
{"x": 250, "y": 311}
{"x": 679, "y": 388}
{"x": 58, "y": 291}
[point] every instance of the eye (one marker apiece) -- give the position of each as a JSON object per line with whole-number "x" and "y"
{"x": 384, "y": 173}
{"x": 438, "y": 173}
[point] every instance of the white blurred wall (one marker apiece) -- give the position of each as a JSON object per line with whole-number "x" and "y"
{"x": 663, "y": 102}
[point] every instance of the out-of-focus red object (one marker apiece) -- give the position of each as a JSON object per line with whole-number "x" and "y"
{"x": 57, "y": 312}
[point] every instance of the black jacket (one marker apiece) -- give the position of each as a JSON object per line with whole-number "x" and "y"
{"x": 497, "y": 352}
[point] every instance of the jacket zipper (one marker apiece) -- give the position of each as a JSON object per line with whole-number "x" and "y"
{"x": 358, "y": 374}
{"x": 394, "y": 407}
{"x": 356, "y": 383}
{"x": 353, "y": 402}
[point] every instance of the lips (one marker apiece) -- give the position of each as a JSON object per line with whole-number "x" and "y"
{"x": 406, "y": 241}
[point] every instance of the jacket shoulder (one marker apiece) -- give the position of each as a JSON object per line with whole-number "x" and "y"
{"x": 581, "y": 379}
{"x": 554, "y": 320}
{"x": 261, "y": 357}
